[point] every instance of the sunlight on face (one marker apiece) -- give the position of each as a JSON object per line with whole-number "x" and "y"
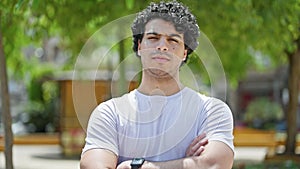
{"x": 162, "y": 48}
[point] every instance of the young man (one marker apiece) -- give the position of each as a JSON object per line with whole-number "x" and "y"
{"x": 162, "y": 123}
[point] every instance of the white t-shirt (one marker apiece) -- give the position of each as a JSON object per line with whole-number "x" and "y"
{"x": 158, "y": 128}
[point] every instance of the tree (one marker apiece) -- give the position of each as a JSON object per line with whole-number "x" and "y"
{"x": 293, "y": 85}
{"x": 269, "y": 27}
{"x": 29, "y": 22}
{"x": 235, "y": 28}
{"x": 6, "y": 117}
{"x": 12, "y": 38}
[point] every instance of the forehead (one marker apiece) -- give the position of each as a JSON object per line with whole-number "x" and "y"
{"x": 161, "y": 26}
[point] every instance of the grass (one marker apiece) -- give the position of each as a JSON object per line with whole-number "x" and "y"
{"x": 276, "y": 162}
{"x": 269, "y": 165}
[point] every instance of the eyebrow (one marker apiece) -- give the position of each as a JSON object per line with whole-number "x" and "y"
{"x": 170, "y": 35}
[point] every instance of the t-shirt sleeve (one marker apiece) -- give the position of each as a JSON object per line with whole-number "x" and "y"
{"x": 101, "y": 130}
{"x": 219, "y": 122}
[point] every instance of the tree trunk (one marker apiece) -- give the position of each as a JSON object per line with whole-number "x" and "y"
{"x": 6, "y": 117}
{"x": 293, "y": 85}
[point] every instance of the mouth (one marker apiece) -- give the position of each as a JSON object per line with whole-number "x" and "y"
{"x": 161, "y": 58}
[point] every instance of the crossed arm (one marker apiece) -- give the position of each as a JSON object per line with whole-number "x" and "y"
{"x": 201, "y": 154}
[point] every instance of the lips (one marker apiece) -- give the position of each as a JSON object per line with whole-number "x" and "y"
{"x": 160, "y": 59}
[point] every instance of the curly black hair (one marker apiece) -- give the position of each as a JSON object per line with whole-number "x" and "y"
{"x": 175, "y": 12}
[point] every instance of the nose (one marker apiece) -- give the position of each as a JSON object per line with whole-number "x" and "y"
{"x": 162, "y": 45}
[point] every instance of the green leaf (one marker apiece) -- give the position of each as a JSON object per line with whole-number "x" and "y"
{"x": 35, "y": 4}
{"x": 19, "y": 4}
{"x": 129, "y": 4}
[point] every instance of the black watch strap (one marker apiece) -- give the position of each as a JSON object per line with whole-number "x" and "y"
{"x": 137, "y": 163}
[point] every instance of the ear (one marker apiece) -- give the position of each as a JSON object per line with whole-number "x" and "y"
{"x": 184, "y": 55}
{"x": 139, "y": 48}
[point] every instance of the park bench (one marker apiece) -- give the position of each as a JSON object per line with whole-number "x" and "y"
{"x": 30, "y": 139}
{"x": 247, "y": 137}
{"x": 1, "y": 144}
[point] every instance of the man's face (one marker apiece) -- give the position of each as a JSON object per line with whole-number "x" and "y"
{"x": 161, "y": 49}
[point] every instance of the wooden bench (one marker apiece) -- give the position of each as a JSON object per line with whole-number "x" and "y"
{"x": 256, "y": 138}
{"x": 30, "y": 139}
{"x": 1, "y": 144}
{"x": 261, "y": 138}
{"x": 37, "y": 139}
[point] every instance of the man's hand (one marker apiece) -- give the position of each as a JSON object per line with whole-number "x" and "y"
{"x": 147, "y": 165}
{"x": 197, "y": 146}
{"x": 124, "y": 165}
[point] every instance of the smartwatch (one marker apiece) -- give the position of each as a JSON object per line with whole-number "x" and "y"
{"x": 136, "y": 163}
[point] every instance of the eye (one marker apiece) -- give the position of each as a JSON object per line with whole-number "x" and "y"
{"x": 152, "y": 38}
{"x": 173, "y": 40}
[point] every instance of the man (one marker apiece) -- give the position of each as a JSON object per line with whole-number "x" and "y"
{"x": 162, "y": 123}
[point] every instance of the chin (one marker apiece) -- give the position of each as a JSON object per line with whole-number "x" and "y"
{"x": 159, "y": 74}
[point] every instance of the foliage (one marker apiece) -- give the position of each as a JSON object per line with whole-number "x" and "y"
{"x": 288, "y": 164}
{"x": 239, "y": 30}
{"x": 250, "y": 33}
{"x": 263, "y": 113}
{"x": 41, "y": 114}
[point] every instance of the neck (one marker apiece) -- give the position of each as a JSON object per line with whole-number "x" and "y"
{"x": 166, "y": 86}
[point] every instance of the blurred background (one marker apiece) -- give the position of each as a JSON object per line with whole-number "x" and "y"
{"x": 257, "y": 42}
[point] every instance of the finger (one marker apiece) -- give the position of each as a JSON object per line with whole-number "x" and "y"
{"x": 199, "y": 151}
{"x": 202, "y": 142}
{"x": 188, "y": 154}
{"x": 195, "y": 147}
{"x": 196, "y": 143}
{"x": 198, "y": 138}
{"x": 190, "y": 151}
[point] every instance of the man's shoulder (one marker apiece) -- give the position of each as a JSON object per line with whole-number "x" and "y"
{"x": 204, "y": 99}
{"x": 188, "y": 92}
{"x": 123, "y": 97}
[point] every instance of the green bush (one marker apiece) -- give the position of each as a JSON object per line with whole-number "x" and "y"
{"x": 42, "y": 108}
{"x": 262, "y": 113}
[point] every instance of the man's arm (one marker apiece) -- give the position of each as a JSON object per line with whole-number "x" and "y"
{"x": 98, "y": 159}
{"x": 197, "y": 146}
{"x": 216, "y": 155}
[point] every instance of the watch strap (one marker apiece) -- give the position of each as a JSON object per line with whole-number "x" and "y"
{"x": 137, "y": 163}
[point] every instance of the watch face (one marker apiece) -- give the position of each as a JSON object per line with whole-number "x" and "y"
{"x": 137, "y": 161}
